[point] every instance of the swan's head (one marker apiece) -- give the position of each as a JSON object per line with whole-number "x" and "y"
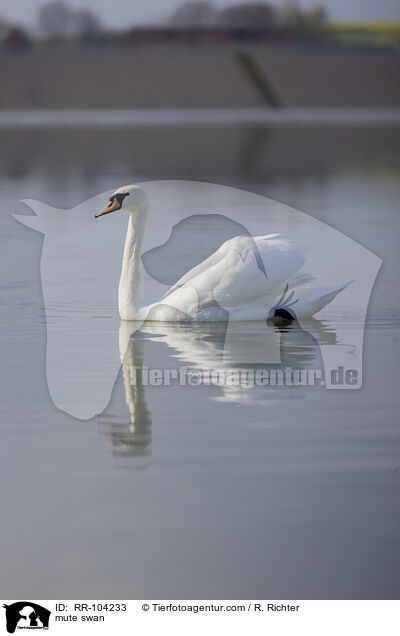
{"x": 131, "y": 198}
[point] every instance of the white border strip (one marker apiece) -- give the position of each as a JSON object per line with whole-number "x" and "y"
{"x": 258, "y": 617}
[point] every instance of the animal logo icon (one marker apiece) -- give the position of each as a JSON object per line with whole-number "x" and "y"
{"x": 26, "y": 614}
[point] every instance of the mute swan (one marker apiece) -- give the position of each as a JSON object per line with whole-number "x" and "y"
{"x": 252, "y": 278}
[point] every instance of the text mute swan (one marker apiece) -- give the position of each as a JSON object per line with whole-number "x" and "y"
{"x": 246, "y": 278}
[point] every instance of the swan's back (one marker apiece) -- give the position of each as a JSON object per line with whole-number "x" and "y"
{"x": 243, "y": 280}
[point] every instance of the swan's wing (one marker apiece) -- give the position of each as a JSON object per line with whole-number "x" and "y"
{"x": 281, "y": 258}
{"x": 276, "y": 259}
{"x": 243, "y": 272}
{"x": 243, "y": 282}
{"x": 231, "y": 248}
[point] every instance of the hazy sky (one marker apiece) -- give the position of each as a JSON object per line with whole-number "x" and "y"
{"x": 123, "y": 13}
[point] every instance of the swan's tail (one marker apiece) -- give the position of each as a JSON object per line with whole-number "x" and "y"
{"x": 316, "y": 298}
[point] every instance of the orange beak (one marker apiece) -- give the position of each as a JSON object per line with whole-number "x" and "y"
{"x": 111, "y": 207}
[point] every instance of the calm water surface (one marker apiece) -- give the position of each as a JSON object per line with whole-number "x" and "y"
{"x": 199, "y": 492}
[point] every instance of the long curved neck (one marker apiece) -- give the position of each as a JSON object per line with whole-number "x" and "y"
{"x": 131, "y": 274}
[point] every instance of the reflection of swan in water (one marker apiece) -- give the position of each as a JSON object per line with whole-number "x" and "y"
{"x": 205, "y": 345}
{"x": 130, "y": 434}
{"x": 244, "y": 276}
{"x": 199, "y": 346}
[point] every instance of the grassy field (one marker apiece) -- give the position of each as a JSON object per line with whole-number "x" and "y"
{"x": 366, "y": 32}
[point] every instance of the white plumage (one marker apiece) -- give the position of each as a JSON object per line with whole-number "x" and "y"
{"x": 247, "y": 278}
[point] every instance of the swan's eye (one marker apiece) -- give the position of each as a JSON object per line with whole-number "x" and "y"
{"x": 121, "y": 196}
